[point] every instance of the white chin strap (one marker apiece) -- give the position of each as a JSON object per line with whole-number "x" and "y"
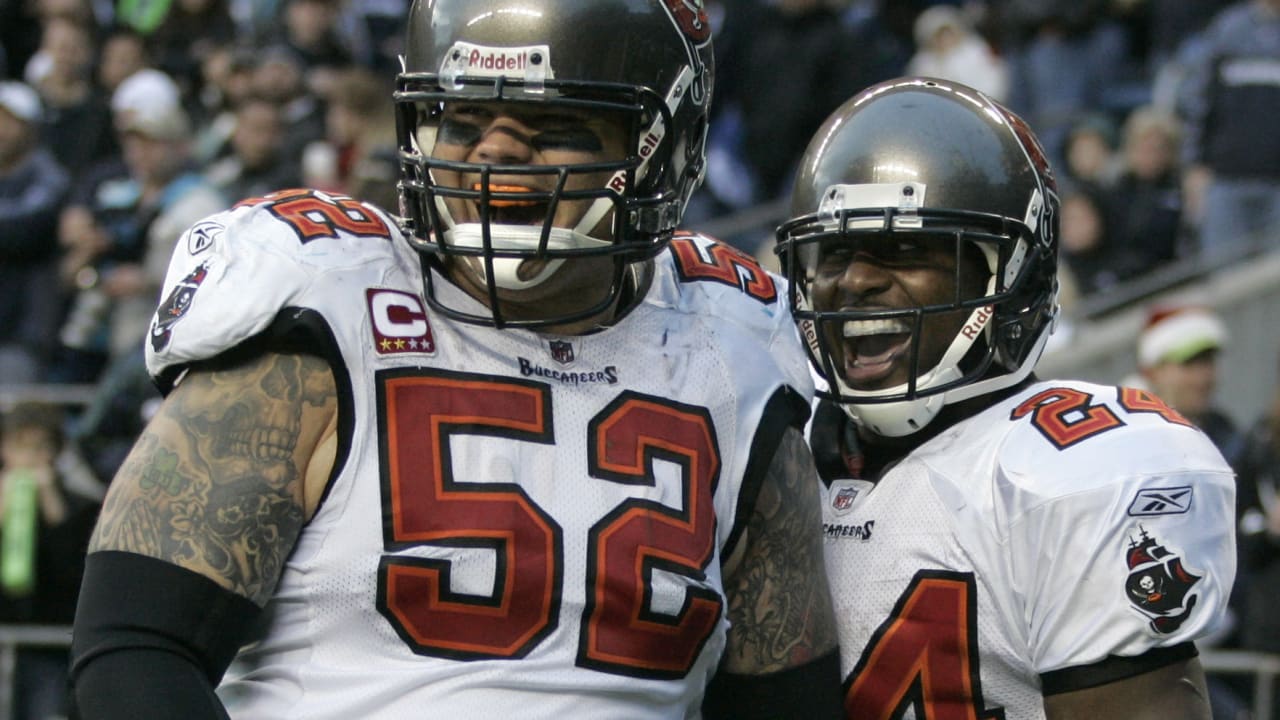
{"x": 506, "y": 270}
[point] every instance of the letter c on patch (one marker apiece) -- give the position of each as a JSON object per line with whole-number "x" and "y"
{"x": 397, "y": 315}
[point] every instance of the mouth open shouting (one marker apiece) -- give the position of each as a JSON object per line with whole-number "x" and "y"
{"x": 873, "y": 350}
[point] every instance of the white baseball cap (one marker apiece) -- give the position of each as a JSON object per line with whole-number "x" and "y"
{"x": 20, "y": 100}
{"x": 146, "y": 90}
{"x": 149, "y": 103}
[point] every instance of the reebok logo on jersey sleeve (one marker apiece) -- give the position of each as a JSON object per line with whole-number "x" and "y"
{"x": 399, "y": 323}
{"x": 1161, "y": 501}
{"x": 203, "y": 236}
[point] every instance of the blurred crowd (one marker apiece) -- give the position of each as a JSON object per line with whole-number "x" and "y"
{"x": 123, "y": 122}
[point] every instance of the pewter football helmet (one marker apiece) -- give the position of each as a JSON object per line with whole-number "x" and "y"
{"x": 647, "y": 60}
{"x": 935, "y": 159}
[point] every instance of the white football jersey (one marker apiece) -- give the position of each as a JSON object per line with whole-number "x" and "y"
{"x": 519, "y": 525}
{"x": 1065, "y": 524}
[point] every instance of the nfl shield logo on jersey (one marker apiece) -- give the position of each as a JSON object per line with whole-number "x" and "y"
{"x": 844, "y": 494}
{"x": 1158, "y": 585}
{"x": 844, "y": 499}
{"x": 562, "y": 351}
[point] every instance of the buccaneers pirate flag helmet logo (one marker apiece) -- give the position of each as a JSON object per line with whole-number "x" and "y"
{"x": 1158, "y": 585}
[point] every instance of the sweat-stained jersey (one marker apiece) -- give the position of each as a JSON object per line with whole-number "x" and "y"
{"x": 1065, "y": 524}
{"x": 519, "y": 525}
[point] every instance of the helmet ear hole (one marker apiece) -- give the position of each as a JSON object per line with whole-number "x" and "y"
{"x": 692, "y": 152}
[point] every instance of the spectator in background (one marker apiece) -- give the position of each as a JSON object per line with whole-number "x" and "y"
{"x": 77, "y": 125}
{"x": 1174, "y": 29}
{"x": 950, "y": 48}
{"x": 1232, "y": 151}
{"x": 357, "y": 156}
{"x": 1258, "y": 497}
{"x": 33, "y": 187}
{"x": 1064, "y": 57}
{"x": 788, "y": 64}
{"x": 255, "y": 166}
{"x": 1089, "y": 160}
{"x": 44, "y": 533}
{"x": 309, "y": 29}
{"x": 227, "y": 79}
{"x": 190, "y": 30}
{"x": 98, "y": 229}
{"x": 120, "y": 231}
{"x": 1178, "y": 361}
{"x": 123, "y": 53}
{"x": 279, "y": 75}
{"x": 1089, "y": 252}
{"x": 171, "y": 195}
{"x": 1145, "y": 215}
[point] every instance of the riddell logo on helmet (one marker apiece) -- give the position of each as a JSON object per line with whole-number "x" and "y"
{"x": 618, "y": 183}
{"x": 975, "y": 326}
{"x": 487, "y": 61}
{"x": 493, "y": 59}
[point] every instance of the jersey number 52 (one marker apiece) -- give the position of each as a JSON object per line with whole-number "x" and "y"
{"x": 425, "y": 505}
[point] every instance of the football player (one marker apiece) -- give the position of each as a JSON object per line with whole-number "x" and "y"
{"x": 525, "y": 452}
{"x": 998, "y": 545}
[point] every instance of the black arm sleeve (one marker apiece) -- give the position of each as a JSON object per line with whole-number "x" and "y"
{"x": 1113, "y": 668}
{"x": 152, "y": 640}
{"x": 806, "y": 692}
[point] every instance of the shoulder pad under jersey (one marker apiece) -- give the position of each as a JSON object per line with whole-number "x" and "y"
{"x": 1066, "y": 436}
{"x": 1062, "y": 487}
{"x": 745, "y": 303}
{"x": 234, "y": 271}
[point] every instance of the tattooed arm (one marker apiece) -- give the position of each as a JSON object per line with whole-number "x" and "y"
{"x": 781, "y": 658}
{"x": 216, "y": 483}
{"x": 194, "y": 534}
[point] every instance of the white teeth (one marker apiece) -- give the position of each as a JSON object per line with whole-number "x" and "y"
{"x": 859, "y": 328}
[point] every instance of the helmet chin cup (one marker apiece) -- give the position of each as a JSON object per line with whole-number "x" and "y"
{"x": 895, "y": 419}
{"x": 506, "y": 273}
{"x": 901, "y": 417}
{"x": 523, "y": 239}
